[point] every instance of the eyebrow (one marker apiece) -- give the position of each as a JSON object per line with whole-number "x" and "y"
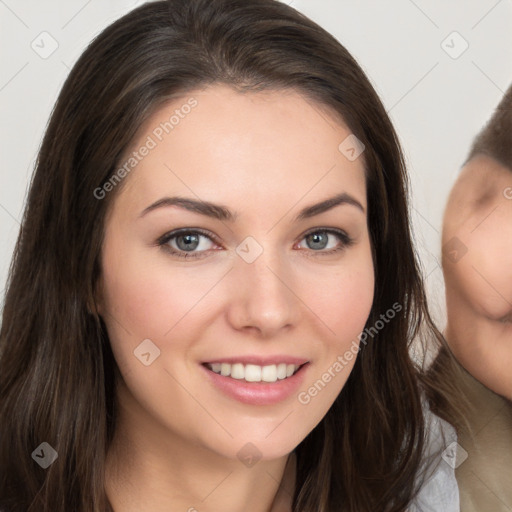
{"x": 223, "y": 213}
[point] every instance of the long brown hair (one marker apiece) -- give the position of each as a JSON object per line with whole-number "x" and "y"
{"x": 57, "y": 371}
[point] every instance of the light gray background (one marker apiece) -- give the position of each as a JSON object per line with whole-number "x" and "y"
{"x": 437, "y": 102}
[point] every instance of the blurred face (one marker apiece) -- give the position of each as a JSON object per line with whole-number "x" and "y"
{"x": 236, "y": 268}
{"x": 477, "y": 239}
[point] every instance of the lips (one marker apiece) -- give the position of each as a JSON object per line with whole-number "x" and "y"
{"x": 257, "y": 380}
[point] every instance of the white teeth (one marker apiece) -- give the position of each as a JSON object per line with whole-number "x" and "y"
{"x": 225, "y": 369}
{"x": 237, "y": 371}
{"x": 253, "y": 372}
{"x": 281, "y": 371}
{"x": 269, "y": 373}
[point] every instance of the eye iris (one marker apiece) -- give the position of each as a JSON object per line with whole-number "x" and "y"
{"x": 317, "y": 240}
{"x": 187, "y": 242}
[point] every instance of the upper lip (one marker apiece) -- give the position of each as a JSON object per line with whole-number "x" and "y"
{"x": 259, "y": 360}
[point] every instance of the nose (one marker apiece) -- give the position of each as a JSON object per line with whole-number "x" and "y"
{"x": 263, "y": 299}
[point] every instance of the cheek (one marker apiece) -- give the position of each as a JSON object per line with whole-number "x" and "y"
{"x": 138, "y": 298}
{"x": 485, "y": 273}
{"x": 148, "y": 296}
{"x": 343, "y": 299}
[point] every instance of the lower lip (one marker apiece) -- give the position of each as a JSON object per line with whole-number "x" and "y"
{"x": 258, "y": 393}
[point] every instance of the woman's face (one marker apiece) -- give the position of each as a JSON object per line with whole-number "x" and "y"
{"x": 271, "y": 270}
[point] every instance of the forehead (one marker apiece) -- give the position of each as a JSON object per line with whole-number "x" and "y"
{"x": 481, "y": 181}
{"x": 479, "y": 188}
{"x": 219, "y": 144}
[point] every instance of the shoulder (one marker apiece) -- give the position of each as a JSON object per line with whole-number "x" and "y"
{"x": 439, "y": 491}
{"x": 484, "y": 476}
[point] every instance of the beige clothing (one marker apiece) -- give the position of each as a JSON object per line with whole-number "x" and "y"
{"x": 485, "y": 477}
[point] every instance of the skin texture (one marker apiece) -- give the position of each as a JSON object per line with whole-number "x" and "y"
{"x": 479, "y": 281}
{"x": 266, "y": 156}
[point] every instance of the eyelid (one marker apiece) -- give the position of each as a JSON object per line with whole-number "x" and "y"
{"x": 335, "y": 231}
{"x": 177, "y": 232}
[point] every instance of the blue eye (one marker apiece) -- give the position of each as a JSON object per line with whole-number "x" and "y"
{"x": 187, "y": 243}
{"x": 196, "y": 243}
{"x": 326, "y": 241}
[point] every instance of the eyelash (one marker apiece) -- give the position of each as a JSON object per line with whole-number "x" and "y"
{"x": 346, "y": 241}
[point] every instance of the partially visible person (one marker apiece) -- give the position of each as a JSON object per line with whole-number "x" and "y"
{"x": 477, "y": 267}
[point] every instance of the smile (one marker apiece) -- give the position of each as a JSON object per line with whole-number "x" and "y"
{"x": 253, "y": 372}
{"x": 257, "y": 384}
